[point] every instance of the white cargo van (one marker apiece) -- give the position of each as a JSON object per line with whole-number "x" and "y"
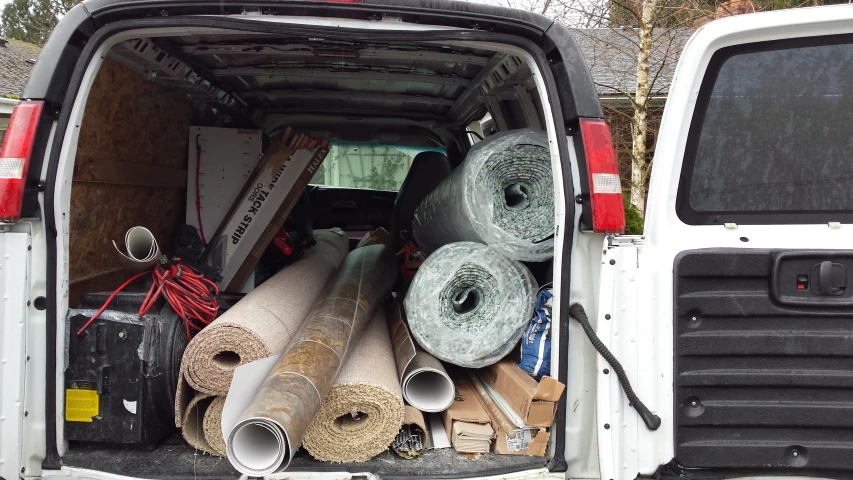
{"x": 732, "y": 316}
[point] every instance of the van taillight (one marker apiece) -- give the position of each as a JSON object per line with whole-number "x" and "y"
{"x": 15, "y": 157}
{"x": 605, "y": 187}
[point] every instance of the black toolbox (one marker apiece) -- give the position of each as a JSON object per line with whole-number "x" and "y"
{"x": 122, "y": 371}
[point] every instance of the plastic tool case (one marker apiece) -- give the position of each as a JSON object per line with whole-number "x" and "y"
{"x": 122, "y": 372}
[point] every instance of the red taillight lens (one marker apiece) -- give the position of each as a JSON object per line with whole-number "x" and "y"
{"x": 15, "y": 157}
{"x": 605, "y": 186}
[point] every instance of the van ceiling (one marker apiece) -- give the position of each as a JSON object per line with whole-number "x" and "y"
{"x": 422, "y": 82}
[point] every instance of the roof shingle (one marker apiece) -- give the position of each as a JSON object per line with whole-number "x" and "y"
{"x": 16, "y": 60}
{"x": 611, "y": 56}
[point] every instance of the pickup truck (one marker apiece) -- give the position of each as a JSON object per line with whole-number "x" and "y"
{"x": 732, "y": 315}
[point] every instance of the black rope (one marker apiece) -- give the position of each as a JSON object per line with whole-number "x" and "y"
{"x": 651, "y": 420}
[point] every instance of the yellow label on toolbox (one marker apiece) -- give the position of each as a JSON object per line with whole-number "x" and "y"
{"x": 82, "y": 402}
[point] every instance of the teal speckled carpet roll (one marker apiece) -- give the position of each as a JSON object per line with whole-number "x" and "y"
{"x": 502, "y": 195}
{"x": 468, "y": 305}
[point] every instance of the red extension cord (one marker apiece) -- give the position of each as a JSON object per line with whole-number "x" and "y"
{"x": 191, "y": 296}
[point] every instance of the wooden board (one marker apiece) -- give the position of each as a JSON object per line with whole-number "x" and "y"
{"x": 130, "y": 170}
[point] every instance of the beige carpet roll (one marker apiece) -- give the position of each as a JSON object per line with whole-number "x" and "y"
{"x": 212, "y": 426}
{"x": 364, "y": 409}
{"x": 194, "y": 419}
{"x": 261, "y": 324}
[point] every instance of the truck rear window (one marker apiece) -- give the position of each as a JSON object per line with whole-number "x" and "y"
{"x": 772, "y": 136}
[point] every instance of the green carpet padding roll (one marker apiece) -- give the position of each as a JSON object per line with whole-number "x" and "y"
{"x": 468, "y": 305}
{"x": 501, "y": 195}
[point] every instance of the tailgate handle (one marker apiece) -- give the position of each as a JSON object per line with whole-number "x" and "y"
{"x": 816, "y": 278}
{"x": 831, "y": 278}
{"x": 344, "y": 204}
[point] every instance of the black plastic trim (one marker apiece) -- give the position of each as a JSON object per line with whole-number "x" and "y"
{"x": 439, "y": 12}
{"x": 780, "y": 217}
{"x": 52, "y": 460}
{"x": 748, "y": 419}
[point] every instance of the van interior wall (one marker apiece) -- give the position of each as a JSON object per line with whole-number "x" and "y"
{"x": 130, "y": 169}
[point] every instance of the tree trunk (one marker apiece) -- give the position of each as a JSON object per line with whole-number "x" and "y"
{"x": 640, "y": 127}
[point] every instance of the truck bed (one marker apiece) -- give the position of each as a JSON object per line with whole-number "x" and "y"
{"x": 174, "y": 459}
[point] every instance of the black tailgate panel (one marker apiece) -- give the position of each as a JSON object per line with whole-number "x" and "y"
{"x": 761, "y": 380}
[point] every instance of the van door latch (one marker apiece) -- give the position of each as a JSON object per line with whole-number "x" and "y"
{"x": 829, "y": 278}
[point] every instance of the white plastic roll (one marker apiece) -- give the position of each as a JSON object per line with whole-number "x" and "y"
{"x": 141, "y": 247}
{"x": 423, "y": 379}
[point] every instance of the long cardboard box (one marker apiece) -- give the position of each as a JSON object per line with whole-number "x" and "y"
{"x": 266, "y": 200}
{"x": 466, "y": 412}
{"x": 535, "y": 402}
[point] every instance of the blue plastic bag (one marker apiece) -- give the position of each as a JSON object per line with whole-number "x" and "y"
{"x": 536, "y": 342}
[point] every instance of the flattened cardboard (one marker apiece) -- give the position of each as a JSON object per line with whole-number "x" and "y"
{"x": 262, "y": 206}
{"x": 380, "y": 235}
{"x": 535, "y": 402}
{"x": 537, "y": 447}
{"x": 466, "y": 407}
{"x": 528, "y": 441}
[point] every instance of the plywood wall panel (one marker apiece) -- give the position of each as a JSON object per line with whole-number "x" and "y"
{"x": 127, "y": 120}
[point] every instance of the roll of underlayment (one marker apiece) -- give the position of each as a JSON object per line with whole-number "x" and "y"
{"x": 261, "y": 324}
{"x": 423, "y": 379}
{"x": 468, "y": 305}
{"x": 501, "y": 195}
{"x": 364, "y": 409}
{"x": 267, "y": 434}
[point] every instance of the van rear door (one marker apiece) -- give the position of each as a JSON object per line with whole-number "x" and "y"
{"x": 737, "y": 324}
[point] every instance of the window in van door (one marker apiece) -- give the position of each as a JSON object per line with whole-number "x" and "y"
{"x": 372, "y": 166}
{"x": 771, "y": 139}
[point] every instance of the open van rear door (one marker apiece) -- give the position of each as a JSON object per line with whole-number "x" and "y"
{"x": 733, "y": 317}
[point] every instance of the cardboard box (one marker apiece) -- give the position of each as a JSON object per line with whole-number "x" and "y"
{"x": 465, "y": 411}
{"x": 532, "y": 441}
{"x": 264, "y": 203}
{"x": 535, "y": 402}
{"x": 380, "y": 236}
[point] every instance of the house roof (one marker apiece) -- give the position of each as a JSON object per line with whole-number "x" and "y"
{"x": 16, "y": 60}
{"x": 611, "y": 55}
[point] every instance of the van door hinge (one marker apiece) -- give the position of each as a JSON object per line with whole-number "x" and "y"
{"x": 625, "y": 241}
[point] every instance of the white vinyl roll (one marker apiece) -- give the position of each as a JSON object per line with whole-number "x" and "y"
{"x": 142, "y": 251}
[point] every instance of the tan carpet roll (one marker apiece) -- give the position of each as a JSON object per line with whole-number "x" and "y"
{"x": 261, "y": 324}
{"x": 212, "y": 426}
{"x": 364, "y": 410}
{"x": 193, "y": 420}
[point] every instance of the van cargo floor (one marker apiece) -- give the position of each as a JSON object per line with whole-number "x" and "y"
{"x": 174, "y": 459}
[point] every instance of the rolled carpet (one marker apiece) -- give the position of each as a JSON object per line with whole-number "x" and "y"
{"x": 272, "y": 427}
{"x": 193, "y": 420}
{"x": 364, "y": 409}
{"x": 261, "y": 324}
{"x": 202, "y": 424}
{"x": 501, "y": 195}
{"x": 212, "y": 426}
{"x": 468, "y": 305}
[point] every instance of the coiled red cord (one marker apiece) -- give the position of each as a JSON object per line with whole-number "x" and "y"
{"x": 191, "y": 296}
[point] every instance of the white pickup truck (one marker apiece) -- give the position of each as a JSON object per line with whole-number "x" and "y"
{"x": 732, "y": 316}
